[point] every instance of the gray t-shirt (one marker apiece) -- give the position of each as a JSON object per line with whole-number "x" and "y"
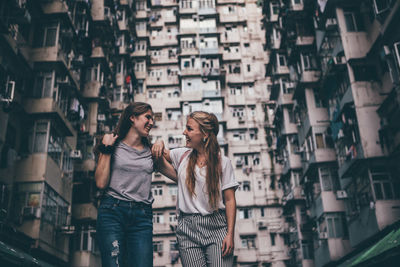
{"x": 131, "y": 171}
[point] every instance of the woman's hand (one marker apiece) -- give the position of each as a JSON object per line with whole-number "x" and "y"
{"x": 158, "y": 149}
{"x": 227, "y": 245}
{"x": 109, "y": 139}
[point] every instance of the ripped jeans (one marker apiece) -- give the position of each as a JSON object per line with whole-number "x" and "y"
{"x": 124, "y": 233}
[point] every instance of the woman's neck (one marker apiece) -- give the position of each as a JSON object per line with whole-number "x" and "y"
{"x": 133, "y": 139}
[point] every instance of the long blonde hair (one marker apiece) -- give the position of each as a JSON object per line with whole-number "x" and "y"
{"x": 208, "y": 123}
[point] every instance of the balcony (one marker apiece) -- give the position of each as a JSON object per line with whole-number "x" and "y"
{"x": 232, "y": 37}
{"x": 85, "y": 258}
{"x": 123, "y": 25}
{"x": 207, "y": 11}
{"x": 98, "y": 52}
{"x": 326, "y": 202}
{"x": 209, "y": 51}
{"x": 203, "y": 30}
{"x": 349, "y": 159}
{"x": 187, "y": 30}
{"x": 41, "y": 106}
{"x": 319, "y": 155}
{"x": 304, "y": 40}
{"x": 231, "y": 18}
{"x": 56, "y": 8}
{"x": 189, "y": 51}
{"x": 163, "y": 40}
{"x": 191, "y": 72}
{"x": 246, "y": 227}
{"x": 163, "y": 80}
{"x": 291, "y": 163}
{"x": 310, "y": 76}
{"x": 91, "y": 89}
{"x": 85, "y": 212}
{"x": 331, "y": 249}
{"x": 139, "y": 53}
{"x": 227, "y": 55}
{"x": 49, "y": 54}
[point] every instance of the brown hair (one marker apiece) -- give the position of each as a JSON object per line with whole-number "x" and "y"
{"x": 125, "y": 123}
{"x": 208, "y": 123}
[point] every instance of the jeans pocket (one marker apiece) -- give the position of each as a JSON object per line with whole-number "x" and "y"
{"x": 148, "y": 212}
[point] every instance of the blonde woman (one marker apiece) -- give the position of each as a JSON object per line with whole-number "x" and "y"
{"x": 206, "y": 193}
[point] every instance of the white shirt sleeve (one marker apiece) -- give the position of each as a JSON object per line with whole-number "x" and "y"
{"x": 176, "y": 155}
{"x": 228, "y": 175}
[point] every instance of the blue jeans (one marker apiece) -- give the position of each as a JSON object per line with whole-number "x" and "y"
{"x": 125, "y": 233}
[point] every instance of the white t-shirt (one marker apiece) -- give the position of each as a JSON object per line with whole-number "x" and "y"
{"x": 198, "y": 203}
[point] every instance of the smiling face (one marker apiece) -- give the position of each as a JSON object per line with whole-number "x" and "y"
{"x": 194, "y": 136}
{"x": 143, "y": 123}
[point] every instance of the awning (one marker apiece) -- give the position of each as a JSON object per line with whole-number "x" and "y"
{"x": 9, "y": 254}
{"x": 391, "y": 242}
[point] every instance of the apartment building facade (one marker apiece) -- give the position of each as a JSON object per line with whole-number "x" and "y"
{"x": 208, "y": 55}
{"x": 334, "y": 73}
{"x": 66, "y": 73}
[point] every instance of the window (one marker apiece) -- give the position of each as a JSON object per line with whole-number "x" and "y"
{"x": 354, "y": 21}
{"x": 253, "y": 134}
{"x": 46, "y": 36}
{"x": 319, "y": 140}
{"x": 262, "y": 212}
{"x": 248, "y": 67}
{"x": 54, "y": 208}
{"x": 248, "y": 242}
{"x": 173, "y": 190}
{"x": 307, "y": 249}
{"x": 173, "y": 245}
{"x": 336, "y": 225}
{"x": 84, "y": 239}
{"x": 158, "y": 217}
{"x": 237, "y": 112}
{"x": 157, "y": 190}
{"x": 281, "y": 60}
{"x": 308, "y": 62}
{"x": 275, "y": 8}
{"x": 245, "y": 213}
{"x": 38, "y": 137}
{"x": 239, "y": 136}
{"x": 397, "y": 51}
{"x": 244, "y": 186}
{"x": 272, "y": 237}
{"x": 158, "y": 246}
{"x": 44, "y": 85}
{"x": 172, "y": 217}
{"x": 381, "y": 6}
{"x": 383, "y": 185}
{"x": 329, "y": 179}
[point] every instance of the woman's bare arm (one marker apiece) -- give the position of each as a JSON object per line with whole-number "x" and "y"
{"x": 102, "y": 174}
{"x": 230, "y": 209}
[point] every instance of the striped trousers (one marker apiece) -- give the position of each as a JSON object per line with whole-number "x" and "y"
{"x": 200, "y": 240}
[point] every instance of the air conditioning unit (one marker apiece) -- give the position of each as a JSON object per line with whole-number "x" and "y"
{"x": 101, "y": 117}
{"x": 262, "y": 225}
{"x": 341, "y": 194}
{"x": 380, "y": 6}
{"x": 107, "y": 12}
{"x": 31, "y": 212}
{"x": 323, "y": 235}
{"x": 8, "y": 94}
{"x": 239, "y": 163}
{"x": 339, "y": 60}
{"x": 76, "y": 154}
{"x": 331, "y": 22}
{"x": 299, "y": 150}
{"x": 67, "y": 229}
{"x": 397, "y": 51}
